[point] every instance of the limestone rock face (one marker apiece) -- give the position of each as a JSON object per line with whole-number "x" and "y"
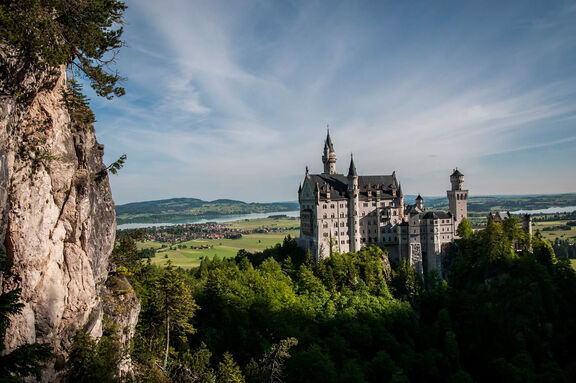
{"x": 57, "y": 220}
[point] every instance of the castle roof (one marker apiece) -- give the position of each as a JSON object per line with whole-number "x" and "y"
{"x": 352, "y": 169}
{"x": 419, "y": 198}
{"x": 328, "y": 142}
{"x": 436, "y": 215}
{"x": 456, "y": 173}
{"x": 337, "y": 184}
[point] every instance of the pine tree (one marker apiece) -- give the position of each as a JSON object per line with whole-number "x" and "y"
{"x": 85, "y": 35}
{"x": 174, "y": 300}
{"x": 228, "y": 370}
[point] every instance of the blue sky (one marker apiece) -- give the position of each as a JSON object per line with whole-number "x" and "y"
{"x": 230, "y": 99}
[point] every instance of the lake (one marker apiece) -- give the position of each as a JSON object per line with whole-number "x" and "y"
{"x": 218, "y": 219}
{"x": 550, "y": 210}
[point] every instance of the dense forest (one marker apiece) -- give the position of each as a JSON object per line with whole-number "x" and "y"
{"x": 277, "y": 316}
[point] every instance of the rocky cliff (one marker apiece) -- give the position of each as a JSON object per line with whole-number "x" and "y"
{"x": 57, "y": 220}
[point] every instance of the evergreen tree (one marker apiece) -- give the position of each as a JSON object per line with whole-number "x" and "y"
{"x": 274, "y": 360}
{"x": 228, "y": 370}
{"x": 174, "y": 300}
{"x": 80, "y": 33}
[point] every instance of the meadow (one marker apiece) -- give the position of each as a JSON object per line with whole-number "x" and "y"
{"x": 551, "y": 230}
{"x": 182, "y": 255}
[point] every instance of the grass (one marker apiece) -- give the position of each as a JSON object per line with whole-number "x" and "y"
{"x": 556, "y": 233}
{"x": 281, "y": 223}
{"x": 573, "y": 263}
{"x": 223, "y": 248}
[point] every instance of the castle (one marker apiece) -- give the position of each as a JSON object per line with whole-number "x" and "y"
{"x": 342, "y": 213}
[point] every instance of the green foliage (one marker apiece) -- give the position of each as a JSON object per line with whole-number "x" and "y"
{"x": 28, "y": 359}
{"x": 173, "y": 299}
{"x": 94, "y": 361}
{"x": 126, "y": 254}
{"x": 78, "y": 105}
{"x": 85, "y": 34}
{"x": 198, "y": 364}
{"x": 24, "y": 361}
{"x": 407, "y": 283}
{"x": 117, "y": 165}
{"x": 272, "y": 364}
{"x": 501, "y": 316}
{"x": 464, "y": 228}
{"x": 228, "y": 370}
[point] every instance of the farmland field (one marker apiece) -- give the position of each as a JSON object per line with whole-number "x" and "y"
{"x": 551, "y": 230}
{"x": 186, "y": 257}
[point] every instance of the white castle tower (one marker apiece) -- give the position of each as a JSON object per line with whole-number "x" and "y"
{"x": 329, "y": 156}
{"x": 353, "y": 207}
{"x": 457, "y": 198}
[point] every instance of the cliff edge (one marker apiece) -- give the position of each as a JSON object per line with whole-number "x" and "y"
{"x": 57, "y": 220}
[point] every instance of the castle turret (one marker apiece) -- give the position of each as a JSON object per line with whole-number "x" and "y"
{"x": 457, "y": 198}
{"x": 420, "y": 202}
{"x": 329, "y": 156}
{"x": 353, "y": 207}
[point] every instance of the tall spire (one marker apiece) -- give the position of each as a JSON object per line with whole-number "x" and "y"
{"x": 328, "y": 142}
{"x": 352, "y": 169}
{"x": 329, "y": 156}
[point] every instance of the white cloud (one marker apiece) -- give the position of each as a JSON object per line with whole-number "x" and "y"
{"x": 234, "y": 95}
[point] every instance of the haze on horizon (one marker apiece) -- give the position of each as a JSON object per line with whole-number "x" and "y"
{"x": 231, "y": 99}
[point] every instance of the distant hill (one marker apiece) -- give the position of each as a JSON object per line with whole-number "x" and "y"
{"x": 181, "y": 209}
{"x": 485, "y": 204}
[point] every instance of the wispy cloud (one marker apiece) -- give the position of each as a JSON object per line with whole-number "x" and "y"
{"x": 225, "y": 97}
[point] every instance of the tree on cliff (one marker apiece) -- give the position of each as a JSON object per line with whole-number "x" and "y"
{"x": 83, "y": 34}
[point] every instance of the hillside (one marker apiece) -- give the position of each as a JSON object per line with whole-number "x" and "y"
{"x": 181, "y": 209}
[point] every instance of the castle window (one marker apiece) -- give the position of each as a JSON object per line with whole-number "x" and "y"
{"x": 325, "y": 235}
{"x": 332, "y": 206}
{"x": 373, "y": 203}
{"x": 365, "y": 204}
{"x": 325, "y": 225}
{"x": 341, "y": 224}
{"x": 332, "y": 215}
{"x": 324, "y": 206}
{"x": 335, "y": 224}
{"x": 341, "y": 215}
{"x": 325, "y": 216}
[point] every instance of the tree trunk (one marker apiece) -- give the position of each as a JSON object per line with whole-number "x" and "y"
{"x": 167, "y": 341}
